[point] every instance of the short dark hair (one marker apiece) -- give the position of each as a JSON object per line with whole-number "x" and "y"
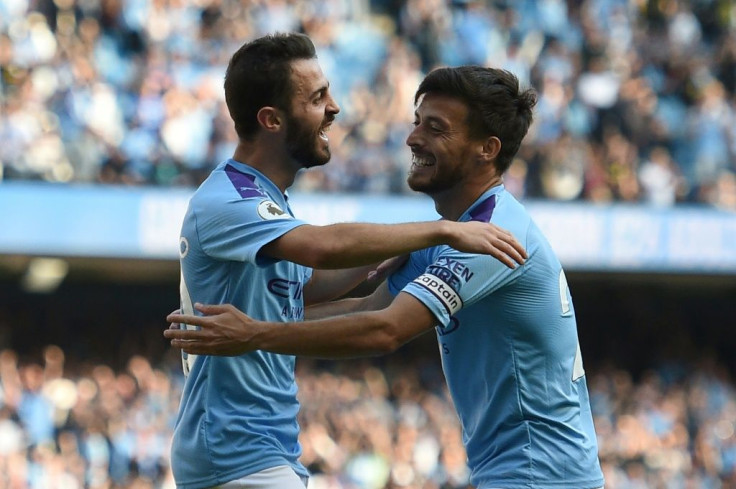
{"x": 259, "y": 75}
{"x": 496, "y": 104}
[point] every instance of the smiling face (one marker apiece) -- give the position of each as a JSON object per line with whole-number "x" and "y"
{"x": 311, "y": 114}
{"x": 443, "y": 153}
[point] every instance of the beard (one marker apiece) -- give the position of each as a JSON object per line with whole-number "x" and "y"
{"x": 302, "y": 144}
{"x": 432, "y": 184}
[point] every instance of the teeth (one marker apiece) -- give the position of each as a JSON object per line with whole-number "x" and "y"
{"x": 323, "y": 133}
{"x": 419, "y": 161}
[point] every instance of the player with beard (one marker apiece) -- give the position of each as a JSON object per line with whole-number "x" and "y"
{"x": 508, "y": 337}
{"x": 241, "y": 244}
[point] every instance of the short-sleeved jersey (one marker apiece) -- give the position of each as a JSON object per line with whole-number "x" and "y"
{"x": 238, "y": 415}
{"x": 509, "y": 347}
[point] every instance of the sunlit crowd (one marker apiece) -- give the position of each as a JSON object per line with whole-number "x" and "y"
{"x": 636, "y": 97}
{"x": 366, "y": 424}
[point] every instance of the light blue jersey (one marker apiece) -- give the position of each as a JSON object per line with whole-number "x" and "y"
{"x": 237, "y": 414}
{"x": 510, "y": 353}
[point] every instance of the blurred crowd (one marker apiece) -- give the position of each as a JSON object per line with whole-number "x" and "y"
{"x": 637, "y": 98}
{"x": 366, "y": 424}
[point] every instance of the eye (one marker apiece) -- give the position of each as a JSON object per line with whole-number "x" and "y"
{"x": 319, "y": 96}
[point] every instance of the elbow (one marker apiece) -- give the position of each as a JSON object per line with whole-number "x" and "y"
{"x": 387, "y": 339}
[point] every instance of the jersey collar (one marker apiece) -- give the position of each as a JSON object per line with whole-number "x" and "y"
{"x": 261, "y": 180}
{"x": 482, "y": 208}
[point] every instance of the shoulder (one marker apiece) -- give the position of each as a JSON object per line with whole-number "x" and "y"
{"x": 226, "y": 185}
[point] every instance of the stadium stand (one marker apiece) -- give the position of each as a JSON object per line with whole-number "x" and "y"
{"x": 636, "y": 98}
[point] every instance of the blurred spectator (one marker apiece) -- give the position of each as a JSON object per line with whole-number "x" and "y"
{"x": 130, "y": 92}
{"x": 661, "y": 183}
{"x": 366, "y": 424}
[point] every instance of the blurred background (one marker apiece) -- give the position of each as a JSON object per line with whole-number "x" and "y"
{"x": 112, "y": 112}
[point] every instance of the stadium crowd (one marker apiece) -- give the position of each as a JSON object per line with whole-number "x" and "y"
{"x": 365, "y": 424}
{"x": 637, "y": 97}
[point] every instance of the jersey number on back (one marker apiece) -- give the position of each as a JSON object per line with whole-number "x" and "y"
{"x": 565, "y": 310}
{"x": 187, "y": 360}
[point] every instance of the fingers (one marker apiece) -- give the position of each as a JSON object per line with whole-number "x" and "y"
{"x": 197, "y": 347}
{"x": 186, "y": 319}
{"x": 518, "y": 248}
{"x": 508, "y": 255}
{"x": 174, "y": 325}
{"x": 387, "y": 267}
{"x": 515, "y": 251}
{"x": 209, "y": 309}
{"x": 503, "y": 258}
{"x": 509, "y": 245}
{"x": 187, "y": 346}
{"x": 183, "y": 334}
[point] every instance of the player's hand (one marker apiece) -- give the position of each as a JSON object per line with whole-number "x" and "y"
{"x": 488, "y": 239}
{"x": 224, "y": 331}
{"x": 174, "y": 325}
{"x": 386, "y": 268}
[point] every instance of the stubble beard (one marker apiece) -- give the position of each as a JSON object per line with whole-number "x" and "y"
{"x": 301, "y": 144}
{"x": 431, "y": 186}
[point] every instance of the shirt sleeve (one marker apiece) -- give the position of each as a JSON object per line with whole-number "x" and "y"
{"x": 237, "y": 229}
{"x": 413, "y": 267}
{"x": 454, "y": 280}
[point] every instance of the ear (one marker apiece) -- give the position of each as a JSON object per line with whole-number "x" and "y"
{"x": 270, "y": 119}
{"x": 490, "y": 150}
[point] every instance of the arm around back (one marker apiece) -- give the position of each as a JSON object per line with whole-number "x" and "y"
{"x": 348, "y": 245}
{"x": 353, "y": 335}
{"x": 227, "y": 331}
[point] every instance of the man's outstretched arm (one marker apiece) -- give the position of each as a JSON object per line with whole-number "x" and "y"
{"x": 357, "y": 247}
{"x": 348, "y": 245}
{"x": 227, "y": 331}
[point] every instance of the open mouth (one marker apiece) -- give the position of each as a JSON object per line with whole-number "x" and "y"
{"x": 421, "y": 161}
{"x": 323, "y": 132}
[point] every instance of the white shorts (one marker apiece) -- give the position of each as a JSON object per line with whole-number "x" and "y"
{"x": 279, "y": 477}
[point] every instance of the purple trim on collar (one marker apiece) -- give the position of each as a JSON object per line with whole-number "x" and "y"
{"x": 484, "y": 210}
{"x": 245, "y": 184}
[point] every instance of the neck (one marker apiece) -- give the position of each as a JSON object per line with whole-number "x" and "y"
{"x": 451, "y": 203}
{"x": 274, "y": 163}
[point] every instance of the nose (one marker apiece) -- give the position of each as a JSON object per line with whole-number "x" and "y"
{"x": 413, "y": 140}
{"x": 332, "y": 107}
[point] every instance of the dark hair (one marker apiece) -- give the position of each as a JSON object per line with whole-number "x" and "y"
{"x": 259, "y": 75}
{"x": 496, "y": 105}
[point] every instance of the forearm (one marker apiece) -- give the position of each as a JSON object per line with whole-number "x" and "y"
{"x": 348, "y": 245}
{"x": 381, "y": 241}
{"x": 326, "y": 285}
{"x": 354, "y": 335}
{"x": 329, "y": 309}
{"x": 225, "y": 330}
{"x": 378, "y": 299}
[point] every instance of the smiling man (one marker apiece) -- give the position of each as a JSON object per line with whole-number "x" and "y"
{"x": 508, "y": 337}
{"x": 240, "y": 244}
